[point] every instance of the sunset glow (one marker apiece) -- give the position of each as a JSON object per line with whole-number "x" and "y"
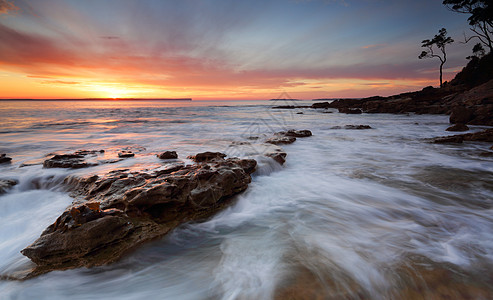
{"x": 219, "y": 49}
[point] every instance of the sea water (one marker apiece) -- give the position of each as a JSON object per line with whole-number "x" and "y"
{"x": 353, "y": 214}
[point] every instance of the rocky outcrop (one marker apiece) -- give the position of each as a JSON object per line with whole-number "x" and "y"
{"x": 6, "y": 184}
{"x": 167, "y": 155}
{"x": 468, "y": 98}
{"x": 4, "y": 158}
{"x": 122, "y": 209}
{"x": 481, "y": 136}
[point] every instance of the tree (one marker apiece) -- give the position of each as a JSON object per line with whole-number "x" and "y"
{"x": 477, "y": 51}
{"x": 440, "y": 40}
{"x": 480, "y": 19}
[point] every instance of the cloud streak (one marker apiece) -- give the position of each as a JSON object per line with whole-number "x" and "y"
{"x": 7, "y": 7}
{"x": 204, "y": 46}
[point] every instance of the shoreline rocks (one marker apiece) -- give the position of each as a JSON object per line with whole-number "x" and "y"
{"x": 123, "y": 209}
{"x": 481, "y": 136}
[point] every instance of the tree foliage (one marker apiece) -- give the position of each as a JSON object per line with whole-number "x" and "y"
{"x": 480, "y": 19}
{"x": 440, "y": 40}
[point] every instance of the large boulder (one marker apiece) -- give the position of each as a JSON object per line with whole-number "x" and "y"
{"x": 123, "y": 209}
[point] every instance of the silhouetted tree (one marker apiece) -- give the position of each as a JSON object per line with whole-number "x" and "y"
{"x": 480, "y": 19}
{"x": 440, "y": 40}
{"x": 477, "y": 51}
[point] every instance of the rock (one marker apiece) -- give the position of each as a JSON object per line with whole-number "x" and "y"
{"x": 458, "y": 127}
{"x": 279, "y": 140}
{"x": 278, "y": 156}
{"x": 448, "y": 139}
{"x": 125, "y": 209}
{"x": 351, "y": 111}
{"x": 71, "y": 161}
{"x": 299, "y": 113}
{"x": 167, "y": 155}
{"x": 486, "y": 154}
{"x": 207, "y": 156}
{"x": 4, "y": 158}
{"x": 357, "y": 127}
{"x": 460, "y": 115}
{"x": 296, "y": 133}
{"x": 321, "y": 105}
{"x": 6, "y": 184}
{"x": 125, "y": 154}
{"x": 74, "y": 160}
{"x": 481, "y": 136}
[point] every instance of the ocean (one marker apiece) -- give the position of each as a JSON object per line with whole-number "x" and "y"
{"x": 380, "y": 213}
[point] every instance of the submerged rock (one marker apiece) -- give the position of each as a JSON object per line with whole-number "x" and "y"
{"x": 167, "y": 155}
{"x": 279, "y": 156}
{"x": 296, "y": 133}
{"x": 125, "y": 209}
{"x": 279, "y": 140}
{"x": 350, "y": 111}
{"x": 74, "y": 160}
{"x": 458, "y": 127}
{"x": 4, "y": 158}
{"x": 6, "y": 184}
{"x": 481, "y": 136}
{"x": 356, "y": 127}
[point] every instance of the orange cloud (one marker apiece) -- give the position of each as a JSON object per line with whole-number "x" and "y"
{"x": 7, "y": 7}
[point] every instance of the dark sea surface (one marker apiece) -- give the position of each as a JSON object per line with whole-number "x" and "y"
{"x": 353, "y": 214}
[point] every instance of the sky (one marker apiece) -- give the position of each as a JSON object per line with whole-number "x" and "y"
{"x": 222, "y": 49}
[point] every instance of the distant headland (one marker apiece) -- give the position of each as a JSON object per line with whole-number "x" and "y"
{"x": 104, "y": 99}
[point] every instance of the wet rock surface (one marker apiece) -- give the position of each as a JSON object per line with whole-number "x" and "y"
{"x": 122, "y": 209}
{"x": 74, "y": 160}
{"x": 5, "y": 159}
{"x": 458, "y": 127}
{"x": 481, "y": 136}
{"x": 6, "y": 184}
{"x": 352, "y": 127}
{"x": 167, "y": 155}
{"x": 126, "y": 154}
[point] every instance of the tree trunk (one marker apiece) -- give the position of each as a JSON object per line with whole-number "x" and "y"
{"x": 441, "y": 73}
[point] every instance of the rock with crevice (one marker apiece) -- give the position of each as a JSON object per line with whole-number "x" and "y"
{"x": 115, "y": 212}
